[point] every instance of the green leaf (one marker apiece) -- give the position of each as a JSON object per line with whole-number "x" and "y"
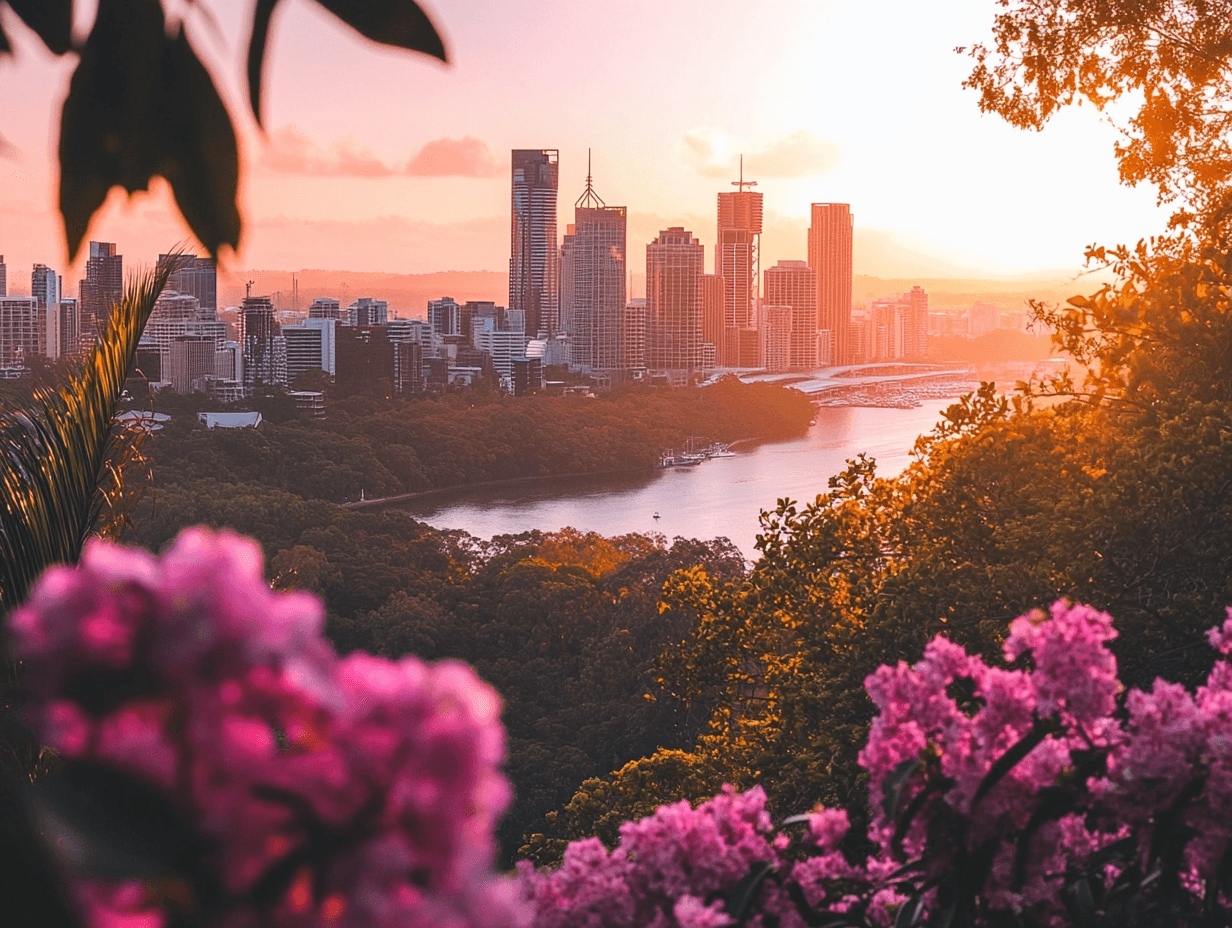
{"x": 141, "y": 105}
{"x": 51, "y": 20}
{"x": 892, "y": 786}
{"x": 1007, "y": 761}
{"x": 256, "y": 53}
{"x": 390, "y": 22}
{"x": 740, "y": 899}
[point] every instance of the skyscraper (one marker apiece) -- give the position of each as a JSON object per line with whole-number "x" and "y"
{"x": 736, "y": 260}
{"x": 917, "y": 323}
{"x": 101, "y": 290}
{"x": 445, "y": 316}
{"x": 792, "y": 284}
{"x": 593, "y": 278}
{"x": 195, "y": 276}
{"x": 19, "y": 329}
{"x": 713, "y": 316}
{"x": 534, "y": 258}
{"x": 829, "y": 255}
{"x": 265, "y": 356}
{"x": 45, "y": 287}
{"x": 674, "y": 264}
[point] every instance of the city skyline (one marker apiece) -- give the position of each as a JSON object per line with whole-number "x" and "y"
{"x": 337, "y": 183}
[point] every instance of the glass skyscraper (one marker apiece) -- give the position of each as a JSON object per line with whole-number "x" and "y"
{"x": 534, "y": 255}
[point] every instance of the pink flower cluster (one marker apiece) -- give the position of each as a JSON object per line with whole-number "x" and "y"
{"x": 1036, "y": 779}
{"x": 372, "y": 786}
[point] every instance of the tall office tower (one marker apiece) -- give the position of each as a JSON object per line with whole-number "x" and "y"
{"x": 70, "y": 328}
{"x": 4, "y": 278}
{"x": 310, "y": 347}
{"x": 714, "y": 316}
{"x": 259, "y": 331}
{"x": 45, "y": 287}
{"x": 595, "y": 282}
{"x": 325, "y": 308}
{"x": 101, "y": 290}
{"x": 736, "y": 260}
{"x": 777, "y": 332}
{"x": 192, "y": 363}
{"x": 791, "y": 283}
{"x": 917, "y": 323}
{"x": 20, "y": 333}
{"x": 674, "y": 264}
{"x": 445, "y": 316}
{"x": 195, "y": 276}
{"x": 633, "y": 335}
{"x": 534, "y": 258}
{"x": 829, "y": 255}
{"x": 565, "y": 294}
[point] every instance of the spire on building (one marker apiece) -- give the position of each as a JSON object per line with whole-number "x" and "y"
{"x": 589, "y": 199}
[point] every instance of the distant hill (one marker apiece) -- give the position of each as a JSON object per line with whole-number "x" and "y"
{"x": 995, "y": 347}
{"x": 1009, "y": 294}
{"x": 407, "y": 294}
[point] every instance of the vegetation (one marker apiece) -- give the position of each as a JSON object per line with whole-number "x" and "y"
{"x": 387, "y": 447}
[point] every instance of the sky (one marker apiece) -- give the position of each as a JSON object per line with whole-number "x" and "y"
{"x": 385, "y": 160}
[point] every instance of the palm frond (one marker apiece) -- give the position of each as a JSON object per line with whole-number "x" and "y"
{"x": 58, "y": 456}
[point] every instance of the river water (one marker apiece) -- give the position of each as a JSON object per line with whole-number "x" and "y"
{"x": 721, "y": 497}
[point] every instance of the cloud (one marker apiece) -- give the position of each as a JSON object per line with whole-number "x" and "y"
{"x": 293, "y": 151}
{"x": 800, "y": 154}
{"x": 465, "y": 157}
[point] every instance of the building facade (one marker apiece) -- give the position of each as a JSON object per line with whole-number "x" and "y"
{"x": 830, "y": 257}
{"x": 593, "y": 283}
{"x": 792, "y": 284}
{"x": 20, "y": 333}
{"x": 674, "y": 265}
{"x": 100, "y": 290}
{"x": 45, "y": 287}
{"x": 736, "y": 260}
{"x": 534, "y": 256}
{"x": 197, "y": 277}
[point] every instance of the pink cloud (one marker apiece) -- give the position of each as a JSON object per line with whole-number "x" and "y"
{"x": 465, "y": 157}
{"x": 292, "y": 151}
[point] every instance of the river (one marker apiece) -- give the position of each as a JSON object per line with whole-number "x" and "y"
{"x": 721, "y": 497}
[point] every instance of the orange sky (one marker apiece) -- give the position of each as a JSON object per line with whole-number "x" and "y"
{"x": 385, "y": 160}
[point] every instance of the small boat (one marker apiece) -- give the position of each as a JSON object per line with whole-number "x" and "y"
{"x": 689, "y": 460}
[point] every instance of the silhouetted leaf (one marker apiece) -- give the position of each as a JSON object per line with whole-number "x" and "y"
{"x": 1007, "y": 761}
{"x": 256, "y": 53}
{"x": 390, "y": 22}
{"x": 141, "y": 105}
{"x": 740, "y": 899}
{"x": 33, "y": 894}
{"x": 52, "y": 20}
{"x": 892, "y": 786}
{"x": 5, "y": 48}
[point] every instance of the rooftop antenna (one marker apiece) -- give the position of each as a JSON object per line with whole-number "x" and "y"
{"x": 248, "y": 289}
{"x": 589, "y": 199}
{"x": 742, "y": 183}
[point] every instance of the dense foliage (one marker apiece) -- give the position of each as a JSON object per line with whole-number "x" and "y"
{"x": 577, "y": 610}
{"x": 386, "y": 447}
{"x": 1113, "y": 490}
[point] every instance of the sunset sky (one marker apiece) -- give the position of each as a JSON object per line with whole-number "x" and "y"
{"x": 385, "y": 160}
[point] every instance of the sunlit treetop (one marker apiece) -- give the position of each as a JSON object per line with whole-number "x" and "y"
{"x": 1168, "y": 58}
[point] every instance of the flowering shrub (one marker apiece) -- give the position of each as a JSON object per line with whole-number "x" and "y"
{"x": 998, "y": 796}
{"x": 241, "y": 774}
{"x": 272, "y": 782}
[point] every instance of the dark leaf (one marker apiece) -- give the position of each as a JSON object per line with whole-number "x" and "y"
{"x": 52, "y": 20}
{"x": 114, "y": 825}
{"x": 261, "y": 17}
{"x": 892, "y": 786}
{"x": 740, "y": 899}
{"x": 1054, "y": 802}
{"x": 5, "y": 47}
{"x": 33, "y": 894}
{"x": 909, "y": 912}
{"x": 141, "y": 105}
{"x": 390, "y": 22}
{"x": 1007, "y": 761}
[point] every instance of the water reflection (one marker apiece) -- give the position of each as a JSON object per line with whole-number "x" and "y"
{"x": 723, "y": 496}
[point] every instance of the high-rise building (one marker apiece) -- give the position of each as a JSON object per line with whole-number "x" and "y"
{"x": 633, "y": 336}
{"x": 714, "y": 316}
{"x": 792, "y": 284}
{"x": 101, "y": 290}
{"x": 777, "y": 331}
{"x": 195, "y": 276}
{"x": 70, "y": 327}
{"x": 20, "y": 333}
{"x": 45, "y": 287}
{"x": 261, "y": 338}
{"x": 534, "y": 257}
{"x": 310, "y": 346}
{"x": 917, "y": 323}
{"x": 829, "y": 255}
{"x": 4, "y": 279}
{"x": 593, "y": 277}
{"x": 192, "y": 363}
{"x": 674, "y": 264}
{"x": 445, "y": 316}
{"x": 736, "y": 260}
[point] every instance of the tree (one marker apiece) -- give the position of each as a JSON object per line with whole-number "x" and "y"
{"x": 1169, "y": 58}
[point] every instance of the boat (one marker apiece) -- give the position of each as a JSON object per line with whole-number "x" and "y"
{"x": 689, "y": 460}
